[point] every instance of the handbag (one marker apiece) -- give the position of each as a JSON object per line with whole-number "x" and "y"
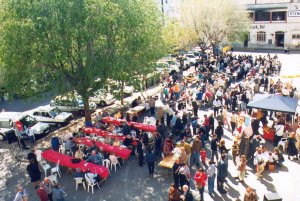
{"x": 75, "y": 160}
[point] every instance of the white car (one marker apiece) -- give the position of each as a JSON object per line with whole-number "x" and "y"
{"x": 73, "y": 104}
{"x": 9, "y": 119}
{"x": 51, "y": 115}
{"x": 190, "y": 59}
{"x": 100, "y": 97}
{"x": 170, "y": 65}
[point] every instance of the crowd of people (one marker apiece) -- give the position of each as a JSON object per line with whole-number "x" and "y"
{"x": 191, "y": 119}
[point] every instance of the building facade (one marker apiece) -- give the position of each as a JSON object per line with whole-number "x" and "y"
{"x": 275, "y": 23}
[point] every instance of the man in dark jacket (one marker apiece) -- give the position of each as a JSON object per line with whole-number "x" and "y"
{"x": 214, "y": 147}
{"x": 140, "y": 152}
{"x": 222, "y": 173}
{"x": 186, "y": 194}
{"x": 150, "y": 161}
{"x": 195, "y": 107}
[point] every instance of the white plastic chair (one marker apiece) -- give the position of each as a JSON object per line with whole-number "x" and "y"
{"x": 56, "y": 169}
{"x": 114, "y": 164}
{"x": 79, "y": 180}
{"x": 146, "y": 120}
{"x": 45, "y": 167}
{"x": 106, "y": 163}
{"x": 62, "y": 149}
{"x": 91, "y": 184}
{"x": 152, "y": 121}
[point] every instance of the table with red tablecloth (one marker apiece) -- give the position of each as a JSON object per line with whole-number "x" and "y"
{"x": 65, "y": 160}
{"x": 124, "y": 153}
{"x": 140, "y": 126}
{"x": 102, "y": 133}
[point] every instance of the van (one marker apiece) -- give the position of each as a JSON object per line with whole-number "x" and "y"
{"x": 9, "y": 120}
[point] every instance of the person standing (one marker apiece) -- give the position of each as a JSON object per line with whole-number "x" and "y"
{"x": 211, "y": 173}
{"x": 58, "y": 193}
{"x": 222, "y": 173}
{"x": 242, "y": 168}
{"x": 250, "y": 195}
{"x": 200, "y": 180}
{"x": 279, "y": 131}
{"x": 186, "y": 194}
{"x": 235, "y": 151}
{"x": 174, "y": 194}
{"x": 196, "y": 147}
{"x": 175, "y": 170}
{"x": 48, "y": 187}
{"x": 42, "y": 193}
{"x": 152, "y": 106}
{"x": 21, "y": 194}
{"x": 214, "y": 147}
{"x": 195, "y": 107}
{"x": 150, "y": 161}
{"x": 140, "y": 152}
{"x": 291, "y": 146}
{"x": 233, "y": 122}
{"x": 219, "y": 131}
{"x": 217, "y": 104}
{"x": 34, "y": 173}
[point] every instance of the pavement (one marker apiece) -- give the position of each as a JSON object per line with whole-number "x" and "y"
{"x": 132, "y": 183}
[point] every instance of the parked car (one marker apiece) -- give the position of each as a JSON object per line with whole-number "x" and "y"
{"x": 190, "y": 59}
{"x": 170, "y": 65}
{"x": 71, "y": 103}
{"x": 51, "y": 115}
{"x": 102, "y": 98}
{"x": 8, "y": 121}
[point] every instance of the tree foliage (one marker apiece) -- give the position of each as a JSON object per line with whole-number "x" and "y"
{"x": 68, "y": 44}
{"x": 213, "y": 21}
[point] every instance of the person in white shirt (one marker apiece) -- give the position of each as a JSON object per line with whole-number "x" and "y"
{"x": 21, "y": 194}
{"x": 211, "y": 174}
{"x": 217, "y": 104}
{"x": 279, "y": 131}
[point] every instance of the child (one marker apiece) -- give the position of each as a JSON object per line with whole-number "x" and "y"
{"x": 203, "y": 156}
{"x": 235, "y": 151}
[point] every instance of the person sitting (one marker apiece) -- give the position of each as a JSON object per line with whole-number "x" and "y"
{"x": 69, "y": 145}
{"x": 168, "y": 147}
{"x": 95, "y": 158}
{"x": 105, "y": 114}
{"x": 116, "y": 142}
{"x": 92, "y": 176}
{"x": 78, "y": 173}
{"x": 278, "y": 157}
{"x": 93, "y": 148}
{"x": 128, "y": 141}
{"x": 79, "y": 154}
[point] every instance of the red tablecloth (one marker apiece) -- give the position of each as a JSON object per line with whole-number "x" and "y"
{"x": 140, "y": 126}
{"x": 124, "y": 153}
{"x": 65, "y": 160}
{"x": 102, "y": 133}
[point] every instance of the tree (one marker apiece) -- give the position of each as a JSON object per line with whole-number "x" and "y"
{"x": 138, "y": 38}
{"x": 68, "y": 43}
{"x": 211, "y": 22}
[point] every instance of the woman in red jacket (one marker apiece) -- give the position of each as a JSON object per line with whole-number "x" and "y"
{"x": 200, "y": 180}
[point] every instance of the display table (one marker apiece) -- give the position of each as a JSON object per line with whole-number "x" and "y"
{"x": 168, "y": 161}
{"x": 65, "y": 160}
{"x": 124, "y": 153}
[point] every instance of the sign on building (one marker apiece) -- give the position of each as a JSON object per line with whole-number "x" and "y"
{"x": 294, "y": 13}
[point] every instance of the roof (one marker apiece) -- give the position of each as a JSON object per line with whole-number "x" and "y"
{"x": 275, "y": 103}
{"x": 266, "y": 6}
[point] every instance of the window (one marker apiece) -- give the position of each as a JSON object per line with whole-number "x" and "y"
{"x": 261, "y": 36}
{"x": 279, "y": 16}
{"x": 262, "y": 16}
{"x": 296, "y": 36}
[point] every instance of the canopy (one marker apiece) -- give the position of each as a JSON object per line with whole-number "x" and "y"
{"x": 275, "y": 103}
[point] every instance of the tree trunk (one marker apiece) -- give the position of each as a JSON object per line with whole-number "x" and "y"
{"x": 122, "y": 92}
{"x": 87, "y": 113}
{"x": 143, "y": 88}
